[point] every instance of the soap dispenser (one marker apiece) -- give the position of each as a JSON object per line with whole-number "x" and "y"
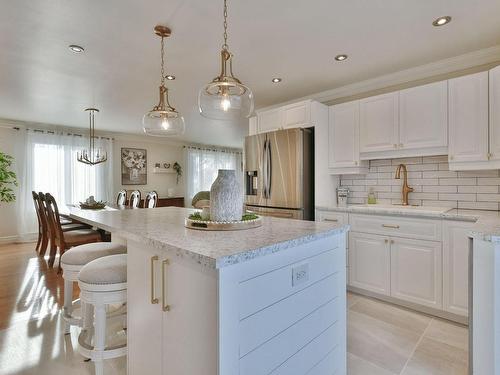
{"x": 371, "y": 197}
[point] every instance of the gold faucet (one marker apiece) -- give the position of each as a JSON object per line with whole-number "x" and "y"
{"x": 406, "y": 189}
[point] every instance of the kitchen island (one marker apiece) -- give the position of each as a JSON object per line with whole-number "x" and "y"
{"x": 269, "y": 300}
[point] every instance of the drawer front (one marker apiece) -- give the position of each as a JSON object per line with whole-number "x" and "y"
{"x": 396, "y": 226}
{"x": 262, "y": 291}
{"x": 332, "y": 216}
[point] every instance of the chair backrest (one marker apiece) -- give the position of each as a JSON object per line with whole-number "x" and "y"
{"x": 135, "y": 199}
{"x": 121, "y": 199}
{"x": 36, "y": 202}
{"x": 151, "y": 200}
{"x": 53, "y": 218}
{"x": 44, "y": 220}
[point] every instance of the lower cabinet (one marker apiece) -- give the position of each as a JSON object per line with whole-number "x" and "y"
{"x": 402, "y": 268}
{"x": 416, "y": 273}
{"x": 456, "y": 266}
{"x": 369, "y": 262}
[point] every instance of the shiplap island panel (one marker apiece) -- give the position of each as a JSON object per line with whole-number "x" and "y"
{"x": 269, "y": 300}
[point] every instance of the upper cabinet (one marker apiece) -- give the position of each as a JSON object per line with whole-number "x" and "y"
{"x": 423, "y": 116}
{"x": 294, "y": 115}
{"x": 494, "y": 76}
{"x": 343, "y": 139}
{"x": 468, "y": 108}
{"x": 379, "y": 123}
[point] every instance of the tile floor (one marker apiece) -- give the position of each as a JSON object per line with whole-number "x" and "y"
{"x": 382, "y": 339}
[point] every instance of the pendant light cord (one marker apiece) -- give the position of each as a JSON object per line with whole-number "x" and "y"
{"x": 225, "y": 46}
{"x": 162, "y": 62}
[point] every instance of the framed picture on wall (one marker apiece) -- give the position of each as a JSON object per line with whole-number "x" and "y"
{"x": 134, "y": 166}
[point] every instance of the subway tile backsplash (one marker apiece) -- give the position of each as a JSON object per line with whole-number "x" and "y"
{"x": 433, "y": 183}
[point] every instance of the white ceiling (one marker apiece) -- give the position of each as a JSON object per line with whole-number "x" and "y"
{"x": 42, "y": 81}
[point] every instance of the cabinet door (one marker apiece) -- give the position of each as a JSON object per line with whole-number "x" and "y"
{"x": 252, "y": 126}
{"x": 343, "y": 135}
{"x": 297, "y": 115}
{"x": 423, "y": 116}
{"x": 494, "y": 75}
{"x": 369, "y": 262}
{"x": 468, "y": 118}
{"x": 456, "y": 266}
{"x": 270, "y": 120}
{"x": 144, "y": 327}
{"x": 416, "y": 274}
{"x": 379, "y": 123}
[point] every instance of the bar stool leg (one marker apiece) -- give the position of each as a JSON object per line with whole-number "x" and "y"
{"x": 100, "y": 336}
{"x": 68, "y": 303}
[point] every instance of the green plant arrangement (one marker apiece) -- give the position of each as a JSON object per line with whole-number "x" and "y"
{"x": 178, "y": 169}
{"x": 245, "y": 217}
{"x": 8, "y": 179}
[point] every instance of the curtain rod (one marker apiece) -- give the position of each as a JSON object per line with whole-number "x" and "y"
{"x": 60, "y": 132}
{"x": 214, "y": 149}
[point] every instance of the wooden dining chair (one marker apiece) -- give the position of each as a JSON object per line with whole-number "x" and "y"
{"x": 42, "y": 236}
{"x": 151, "y": 200}
{"x": 61, "y": 239}
{"x": 135, "y": 199}
{"x": 121, "y": 199}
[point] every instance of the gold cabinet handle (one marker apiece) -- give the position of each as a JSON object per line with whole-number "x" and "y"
{"x": 392, "y": 241}
{"x": 451, "y": 157}
{"x": 386, "y": 240}
{"x": 390, "y": 226}
{"x": 154, "y": 300}
{"x": 332, "y": 220}
{"x": 165, "y": 306}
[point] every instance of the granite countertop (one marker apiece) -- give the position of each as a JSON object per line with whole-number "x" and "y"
{"x": 163, "y": 228}
{"x": 486, "y": 224}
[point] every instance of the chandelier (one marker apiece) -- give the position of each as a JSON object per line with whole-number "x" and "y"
{"x": 225, "y": 98}
{"x": 163, "y": 120}
{"x": 92, "y": 155}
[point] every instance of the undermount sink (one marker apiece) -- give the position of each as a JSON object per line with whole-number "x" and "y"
{"x": 438, "y": 210}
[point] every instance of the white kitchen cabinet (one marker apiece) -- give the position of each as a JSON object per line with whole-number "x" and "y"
{"x": 369, "y": 262}
{"x": 297, "y": 115}
{"x": 468, "y": 118}
{"x": 416, "y": 273}
{"x": 343, "y": 140}
{"x": 456, "y": 266}
{"x": 423, "y": 116}
{"x": 270, "y": 120}
{"x": 379, "y": 123}
{"x": 494, "y": 85}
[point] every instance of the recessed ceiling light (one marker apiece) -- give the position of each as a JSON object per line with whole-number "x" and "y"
{"x": 441, "y": 21}
{"x": 170, "y": 77}
{"x": 341, "y": 57}
{"x": 76, "y": 49}
{"x": 276, "y": 80}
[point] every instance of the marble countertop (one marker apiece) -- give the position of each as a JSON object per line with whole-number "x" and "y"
{"x": 163, "y": 228}
{"x": 486, "y": 224}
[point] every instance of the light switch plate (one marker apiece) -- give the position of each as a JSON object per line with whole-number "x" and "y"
{"x": 300, "y": 274}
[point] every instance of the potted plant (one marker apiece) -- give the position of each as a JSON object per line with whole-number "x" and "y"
{"x": 178, "y": 169}
{"x": 8, "y": 179}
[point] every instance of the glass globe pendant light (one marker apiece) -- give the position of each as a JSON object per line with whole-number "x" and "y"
{"x": 163, "y": 120}
{"x": 92, "y": 155}
{"x": 225, "y": 98}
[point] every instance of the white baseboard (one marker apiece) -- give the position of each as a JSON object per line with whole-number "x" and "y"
{"x": 28, "y": 237}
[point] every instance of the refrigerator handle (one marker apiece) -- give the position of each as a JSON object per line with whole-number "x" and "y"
{"x": 269, "y": 168}
{"x": 264, "y": 169}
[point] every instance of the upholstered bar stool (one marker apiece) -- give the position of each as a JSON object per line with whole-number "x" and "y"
{"x": 72, "y": 261}
{"x": 102, "y": 282}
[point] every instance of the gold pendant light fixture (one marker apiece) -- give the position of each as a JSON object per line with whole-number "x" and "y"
{"x": 92, "y": 155}
{"x": 163, "y": 120}
{"x": 225, "y": 98}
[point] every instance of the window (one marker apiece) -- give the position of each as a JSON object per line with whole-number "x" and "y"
{"x": 202, "y": 166}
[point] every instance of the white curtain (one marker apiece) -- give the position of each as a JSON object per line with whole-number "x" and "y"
{"x": 50, "y": 166}
{"x": 202, "y": 166}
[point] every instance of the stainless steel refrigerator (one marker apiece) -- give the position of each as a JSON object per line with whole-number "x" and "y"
{"x": 279, "y": 173}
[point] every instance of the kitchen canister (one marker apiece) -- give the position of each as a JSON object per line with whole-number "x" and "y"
{"x": 226, "y": 197}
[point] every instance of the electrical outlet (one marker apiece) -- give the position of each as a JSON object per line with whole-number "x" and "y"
{"x": 300, "y": 274}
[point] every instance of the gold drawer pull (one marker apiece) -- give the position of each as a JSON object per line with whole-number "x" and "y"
{"x": 154, "y": 300}
{"x": 390, "y": 226}
{"x": 165, "y": 306}
{"x": 332, "y": 220}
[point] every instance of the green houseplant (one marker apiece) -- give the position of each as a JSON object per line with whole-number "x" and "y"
{"x": 8, "y": 179}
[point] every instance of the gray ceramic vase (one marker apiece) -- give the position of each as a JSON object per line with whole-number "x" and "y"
{"x": 226, "y": 197}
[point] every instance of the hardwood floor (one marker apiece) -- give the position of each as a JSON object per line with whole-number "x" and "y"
{"x": 383, "y": 339}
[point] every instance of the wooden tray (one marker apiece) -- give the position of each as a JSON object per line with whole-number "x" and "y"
{"x": 222, "y": 225}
